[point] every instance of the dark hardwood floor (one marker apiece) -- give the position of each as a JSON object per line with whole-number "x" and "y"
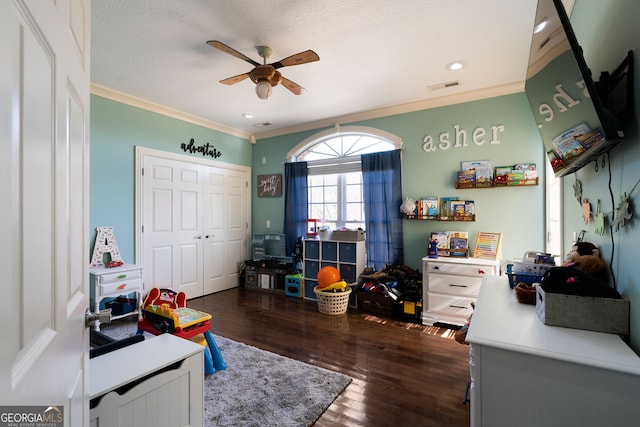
{"x": 403, "y": 374}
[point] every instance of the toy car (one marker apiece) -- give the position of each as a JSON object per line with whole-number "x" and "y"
{"x": 113, "y": 264}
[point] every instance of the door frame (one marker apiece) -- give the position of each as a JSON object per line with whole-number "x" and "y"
{"x": 141, "y": 152}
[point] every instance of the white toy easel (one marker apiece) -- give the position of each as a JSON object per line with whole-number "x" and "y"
{"x": 105, "y": 243}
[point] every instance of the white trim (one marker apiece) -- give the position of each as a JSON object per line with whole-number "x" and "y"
{"x": 339, "y": 131}
{"x": 334, "y": 122}
{"x": 124, "y": 98}
{"x": 410, "y": 107}
{"x": 141, "y": 152}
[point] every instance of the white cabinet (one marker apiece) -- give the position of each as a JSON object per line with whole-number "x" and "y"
{"x": 156, "y": 382}
{"x": 525, "y": 373}
{"x": 348, "y": 257}
{"x": 114, "y": 282}
{"x": 451, "y": 285}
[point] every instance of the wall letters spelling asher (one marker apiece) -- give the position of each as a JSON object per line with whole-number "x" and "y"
{"x": 270, "y": 185}
{"x": 205, "y": 149}
{"x": 478, "y": 136}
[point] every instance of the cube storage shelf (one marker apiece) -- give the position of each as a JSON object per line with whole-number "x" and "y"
{"x": 347, "y": 256}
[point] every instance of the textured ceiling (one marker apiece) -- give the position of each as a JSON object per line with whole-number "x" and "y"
{"x": 376, "y": 56}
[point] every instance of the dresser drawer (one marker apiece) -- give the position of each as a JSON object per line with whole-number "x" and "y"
{"x": 122, "y": 286}
{"x": 459, "y": 269}
{"x": 454, "y": 285}
{"x": 119, "y": 276}
{"x": 450, "y": 305}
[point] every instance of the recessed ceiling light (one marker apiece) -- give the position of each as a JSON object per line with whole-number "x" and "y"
{"x": 455, "y": 65}
{"x": 247, "y": 116}
{"x": 540, "y": 26}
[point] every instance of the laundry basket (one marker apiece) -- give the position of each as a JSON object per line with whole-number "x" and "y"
{"x": 330, "y": 302}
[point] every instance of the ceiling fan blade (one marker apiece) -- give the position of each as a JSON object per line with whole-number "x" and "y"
{"x": 297, "y": 59}
{"x": 226, "y": 49}
{"x": 235, "y": 79}
{"x": 292, "y": 86}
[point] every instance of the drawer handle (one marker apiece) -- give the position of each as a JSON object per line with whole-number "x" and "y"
{"x": 122, "y": 276}
{"x": 458, "y": 286}
{"x": 124, "y": 285}
{"x": 481, "y": 271}
{"x": 458, "y": 306}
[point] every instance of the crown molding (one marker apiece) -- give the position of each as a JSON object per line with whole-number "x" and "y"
{"x": 133, "y": 101}
{"x": 410, "y": 107}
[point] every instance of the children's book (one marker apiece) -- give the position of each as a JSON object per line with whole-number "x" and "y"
{"x": 466, "y": 179}
{"x": 442, "y": 239}
{"x": 483, "y": 170}
{"x": 432, "y": 206}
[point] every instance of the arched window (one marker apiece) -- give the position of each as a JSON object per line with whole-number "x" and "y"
{"x": 334, "y": 183}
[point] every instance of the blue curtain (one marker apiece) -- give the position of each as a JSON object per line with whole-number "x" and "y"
{"x": 382, "y": 187}
{"x": 295, "y": 203}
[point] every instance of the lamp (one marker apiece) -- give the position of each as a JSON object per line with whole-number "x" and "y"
{"x": 263, "y": 90}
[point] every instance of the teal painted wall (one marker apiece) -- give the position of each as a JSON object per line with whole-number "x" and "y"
{"x": 516, "y": 212}
{"x": 116, "y": 129}
{"x": 607, "y": 29}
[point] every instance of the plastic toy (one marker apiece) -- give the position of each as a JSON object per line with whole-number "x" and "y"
{"x": 338, "y": 286}
{"x": 165, "y": 297}
{"x": 166, "y": 311}
{"x": 327, "y": 275}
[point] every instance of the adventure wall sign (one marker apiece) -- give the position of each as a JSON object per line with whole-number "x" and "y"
{"x": 205, "y": 149}
{"x": 461, "y": 138}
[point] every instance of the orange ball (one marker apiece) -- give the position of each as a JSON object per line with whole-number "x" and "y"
{"x": 327, "y": 275}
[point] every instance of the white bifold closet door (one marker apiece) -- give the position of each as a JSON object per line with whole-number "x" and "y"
{"x": 194, "y": 230}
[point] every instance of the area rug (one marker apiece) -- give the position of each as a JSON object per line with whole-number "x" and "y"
{"x": 259, "y": 388}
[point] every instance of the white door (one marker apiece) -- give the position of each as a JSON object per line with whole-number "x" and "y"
{"x": 193, "y": 223}
{"x": 172, "y": 204}
{"x": 44, "y": 159}
{"x": 225, "y": 227}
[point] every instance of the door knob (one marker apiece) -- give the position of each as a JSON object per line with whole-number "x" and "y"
{"x": 90, "y": 318}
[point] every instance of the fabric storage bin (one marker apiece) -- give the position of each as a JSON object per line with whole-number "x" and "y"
{"x": 610, "y": 315}
{"x": 348, "y": 235}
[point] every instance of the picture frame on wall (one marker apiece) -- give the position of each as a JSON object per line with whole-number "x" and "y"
{"x": 269, "y": 185}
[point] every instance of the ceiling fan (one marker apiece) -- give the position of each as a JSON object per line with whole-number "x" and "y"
{"x": 266, "y": 76}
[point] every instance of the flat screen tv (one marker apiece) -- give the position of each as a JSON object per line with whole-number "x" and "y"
{"x": 571, "y": 110}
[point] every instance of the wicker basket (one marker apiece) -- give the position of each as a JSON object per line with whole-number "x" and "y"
{"x": 330, "y": 302}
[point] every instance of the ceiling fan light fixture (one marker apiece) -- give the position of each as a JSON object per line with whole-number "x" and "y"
{"x": 263, "y": 90}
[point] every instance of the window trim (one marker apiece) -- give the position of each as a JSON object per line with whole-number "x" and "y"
{"x": 340, "y": 131}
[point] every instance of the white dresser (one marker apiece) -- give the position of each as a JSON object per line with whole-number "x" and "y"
{"x": 113, "y": 282}
{"x": 450, "y": 285}
{"x": 525, "y": 373}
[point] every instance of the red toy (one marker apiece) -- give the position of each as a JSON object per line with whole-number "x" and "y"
{"x": 166, "y": 297}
